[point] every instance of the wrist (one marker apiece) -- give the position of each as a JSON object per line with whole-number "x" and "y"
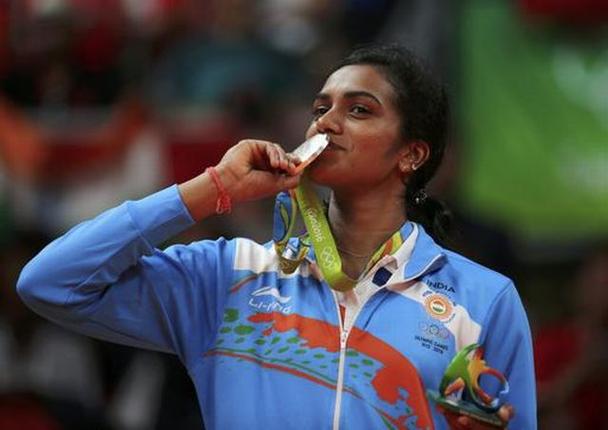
{"x": 229, "y": 181}
{"x": 223, "y": 201}
{"x": 200, "y": 194}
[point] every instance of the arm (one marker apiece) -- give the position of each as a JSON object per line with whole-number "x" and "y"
{"x": 508, "y": 348}
{"x": 106, "y": 278}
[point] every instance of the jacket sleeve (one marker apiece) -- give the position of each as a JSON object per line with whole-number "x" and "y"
{"x": 507, "y": 344}
{"x": 106, "y": 279}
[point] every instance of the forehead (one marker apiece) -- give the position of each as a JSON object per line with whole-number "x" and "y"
{"x": 359, "y": 78}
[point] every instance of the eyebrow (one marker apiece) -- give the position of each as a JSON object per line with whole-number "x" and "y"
{"x": 350, "y": 95}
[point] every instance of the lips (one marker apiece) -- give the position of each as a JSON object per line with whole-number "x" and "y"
{"x": 333, "y": 146}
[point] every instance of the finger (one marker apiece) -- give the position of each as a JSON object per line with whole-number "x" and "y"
{"x": 271, "y": 183}
{"x": 473, "y": 424}
{"x": 292, "y": 169}
{"x": 458, "y": 423}
{"x": 452, "y": 419}
{"x": 284, "y": 163}
{"x": 277, "y": 157}
{"x": 465, "y": 422}
{"x": 273, "y": 156}
{"x": 293, "y": 162}
{"x": 283, "y": 160}
{"x": 291, "y": 182}
{"x": 506, "y": 412}
{"x": 294, "y": 159}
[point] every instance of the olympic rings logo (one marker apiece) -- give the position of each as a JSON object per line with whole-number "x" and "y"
{"x": 434, "y": 330}
{"x": 328, "y": 257}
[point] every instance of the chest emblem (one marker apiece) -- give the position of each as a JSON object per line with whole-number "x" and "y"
{"x": 438, "y": 306}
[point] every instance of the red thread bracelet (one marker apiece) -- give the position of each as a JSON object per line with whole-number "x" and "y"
{"x": 224, "y": 204}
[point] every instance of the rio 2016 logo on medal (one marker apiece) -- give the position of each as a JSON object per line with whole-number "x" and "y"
{"x": 460, "y": 392}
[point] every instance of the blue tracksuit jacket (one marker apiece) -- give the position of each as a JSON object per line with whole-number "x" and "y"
{"x": 271, "y": 351}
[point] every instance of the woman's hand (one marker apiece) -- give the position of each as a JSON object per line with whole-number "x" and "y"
{"x": 250, "y": 170}
{"x": 462, "y": 422}
{"x": 253, "y": 169}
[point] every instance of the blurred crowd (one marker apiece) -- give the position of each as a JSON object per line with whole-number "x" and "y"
{"x": 107, "y": 100}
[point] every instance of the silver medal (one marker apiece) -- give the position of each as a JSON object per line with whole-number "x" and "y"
{"x": 310, "y": 149}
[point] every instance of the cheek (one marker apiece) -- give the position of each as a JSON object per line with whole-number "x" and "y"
{"x": 377, "y": 143}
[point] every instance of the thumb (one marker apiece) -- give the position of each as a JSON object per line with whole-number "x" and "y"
{"x": 264, "y": 184}
{"x": 465, "y": 422}
{"x": 288, "y": 182}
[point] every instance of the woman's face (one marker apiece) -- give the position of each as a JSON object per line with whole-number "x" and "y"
{"x": 356, "y": 109}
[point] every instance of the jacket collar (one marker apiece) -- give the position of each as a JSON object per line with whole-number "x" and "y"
{"x": 423, "y": 257}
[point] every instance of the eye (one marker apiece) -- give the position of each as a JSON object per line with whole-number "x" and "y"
{"x": 318, "y": 111}
{"x": 360, "y": 110}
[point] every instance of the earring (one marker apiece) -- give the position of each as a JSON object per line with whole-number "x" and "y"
{"x": 414, "y": 167}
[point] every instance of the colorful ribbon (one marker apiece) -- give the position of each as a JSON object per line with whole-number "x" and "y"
{"x": 318, "y": 235}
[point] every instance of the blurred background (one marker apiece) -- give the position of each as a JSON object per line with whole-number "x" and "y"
{"x": 107, "y": 100}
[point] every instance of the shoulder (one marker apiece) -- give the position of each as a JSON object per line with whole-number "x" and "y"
{"x": 473, "y": 287}
{"x": 464, "y": 277}
{"x": 204, "y": 253}
{"x": 214, "y": 259}
{"x": 473, "y": 274}
{"x": 237, "y": 254}
{"x": 253, "y": 256}
{"x": 458, "y": 273}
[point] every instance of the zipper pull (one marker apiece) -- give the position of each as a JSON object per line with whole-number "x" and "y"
{"x": 343, "y": 337}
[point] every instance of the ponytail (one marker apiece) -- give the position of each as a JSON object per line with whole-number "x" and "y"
{"x": 431, "y": 213}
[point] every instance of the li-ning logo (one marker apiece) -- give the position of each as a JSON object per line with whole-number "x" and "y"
{"x": 438, "y": 306}
{"x": 271, "y": 291}
{"x": 269, "y": 299}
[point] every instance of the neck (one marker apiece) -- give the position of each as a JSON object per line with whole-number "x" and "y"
{"x": 361, "y": 223}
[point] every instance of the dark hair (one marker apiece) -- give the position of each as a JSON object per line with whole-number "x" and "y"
{"x": 423, "y": 104}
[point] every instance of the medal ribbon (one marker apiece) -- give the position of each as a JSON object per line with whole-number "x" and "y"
{"x": 318, "y": 235}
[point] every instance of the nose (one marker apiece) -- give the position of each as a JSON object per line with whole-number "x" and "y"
{"x": 329, "y": 122}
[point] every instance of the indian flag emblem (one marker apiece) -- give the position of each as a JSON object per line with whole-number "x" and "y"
{"x": 438, "y": 306}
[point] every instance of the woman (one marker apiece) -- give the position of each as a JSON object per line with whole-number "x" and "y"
{"x": 270, "y": 349}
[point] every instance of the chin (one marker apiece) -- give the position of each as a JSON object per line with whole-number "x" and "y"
{"x": 324, "y": 175}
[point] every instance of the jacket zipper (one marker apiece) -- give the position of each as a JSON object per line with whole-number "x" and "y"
{"x": 340, "y": 382}
{"x": 344, "y": 333}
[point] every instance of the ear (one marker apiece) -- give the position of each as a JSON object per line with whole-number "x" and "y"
{"x": 413, "y": 155}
